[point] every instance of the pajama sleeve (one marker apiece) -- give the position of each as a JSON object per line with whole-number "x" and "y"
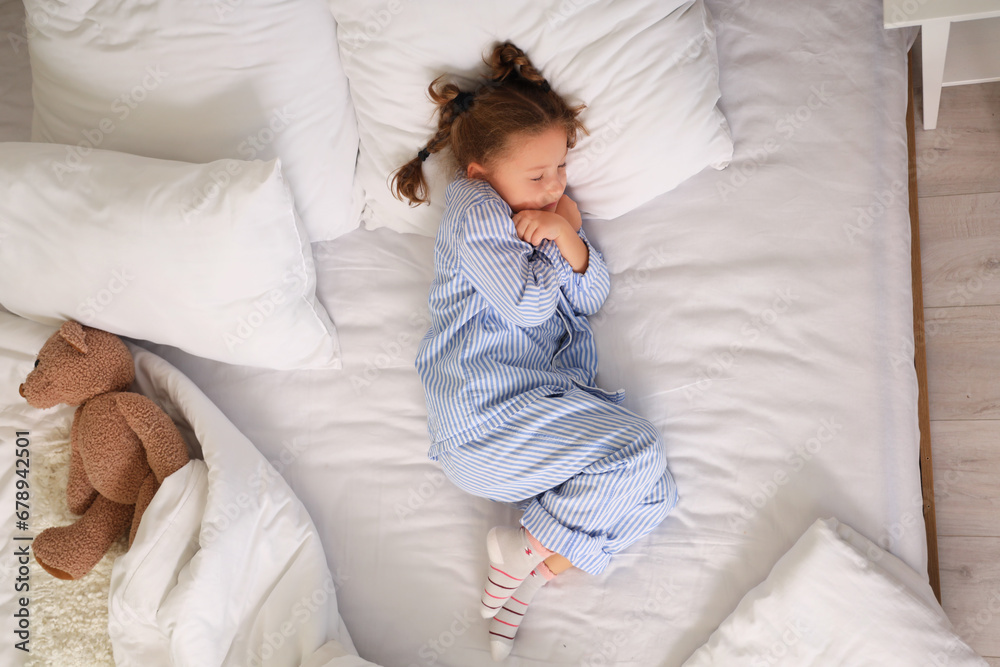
{"x": 585, "y": 291}
{"x": 521, "y": 286}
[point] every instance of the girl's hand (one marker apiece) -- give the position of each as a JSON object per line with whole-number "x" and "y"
{"x": 568, "y": 210}
{"x": 535, "y": 226}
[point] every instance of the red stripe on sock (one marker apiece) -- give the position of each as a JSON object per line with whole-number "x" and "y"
{"x": 500, "y": 635}
{"x": 498, "y": 597}
{"x": 516, "y": 600}
{"x": 505, "y": 574}
{"x": 509, "y": 588}
{"x": 489, "y": 607}
{"x": 513, "y": 625}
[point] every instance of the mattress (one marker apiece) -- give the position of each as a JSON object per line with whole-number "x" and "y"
{"x": 759, "y": 316}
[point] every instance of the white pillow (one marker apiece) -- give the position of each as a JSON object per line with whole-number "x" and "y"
{"x": 647, "y": 69}
{"x": 201, "y": 81}
{"x": 208, "y": 258}
{"x": 836, "y": 598}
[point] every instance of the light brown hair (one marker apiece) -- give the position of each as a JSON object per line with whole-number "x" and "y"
{"x": 515, "y": 100}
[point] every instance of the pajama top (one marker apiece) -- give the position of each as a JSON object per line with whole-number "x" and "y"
{"x": 508, "y": 320}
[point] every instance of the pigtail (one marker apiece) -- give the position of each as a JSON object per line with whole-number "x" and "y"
{"x": 409, "y": 182}
{"x": 509, "y": 61}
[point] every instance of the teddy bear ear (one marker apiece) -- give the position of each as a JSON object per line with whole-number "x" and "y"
{"x": 72, "y": 332}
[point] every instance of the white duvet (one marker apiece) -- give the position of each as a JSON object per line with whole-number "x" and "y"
{"x": 837, "y": 599}
{"x": 227, "y": 567}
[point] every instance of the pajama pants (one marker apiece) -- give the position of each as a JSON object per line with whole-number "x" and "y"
{"x": 591, "y": 476}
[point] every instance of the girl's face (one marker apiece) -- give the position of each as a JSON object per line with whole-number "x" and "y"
{"x": 532, "y": 175}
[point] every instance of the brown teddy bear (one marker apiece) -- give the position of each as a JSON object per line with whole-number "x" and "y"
{"x": 123, "y": 445}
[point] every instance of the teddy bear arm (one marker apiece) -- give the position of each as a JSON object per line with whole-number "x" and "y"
{"x": 166, "y": 450}
{"x": 80, "y": 493}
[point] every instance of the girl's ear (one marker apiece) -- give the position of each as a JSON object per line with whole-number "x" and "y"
{"x": 475, "y": 170}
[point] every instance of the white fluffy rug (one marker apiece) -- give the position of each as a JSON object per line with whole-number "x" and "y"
{"x": 70, "y": 618}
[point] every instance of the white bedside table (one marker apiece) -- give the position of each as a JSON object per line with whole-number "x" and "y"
{"x": 973, "y": 56}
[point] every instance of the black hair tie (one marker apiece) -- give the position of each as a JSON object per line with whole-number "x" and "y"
{"x": 423, "y": 154}
{"x": 544, "y": 85}
{"x": 463, "y": 101}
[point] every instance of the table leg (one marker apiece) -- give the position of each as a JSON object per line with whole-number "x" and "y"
{"x": 934, "y": 46}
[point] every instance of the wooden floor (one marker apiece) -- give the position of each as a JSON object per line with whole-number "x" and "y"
{"x": 958, "y": 182}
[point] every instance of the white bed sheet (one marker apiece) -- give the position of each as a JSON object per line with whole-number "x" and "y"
{"x": 760, "y": 316}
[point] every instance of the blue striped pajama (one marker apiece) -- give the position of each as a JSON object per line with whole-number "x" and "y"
{"x": 509, "y": 368}
{"x": 612, "y": 484}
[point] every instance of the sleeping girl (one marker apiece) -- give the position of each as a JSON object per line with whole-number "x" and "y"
{"x": 509, "y": 363}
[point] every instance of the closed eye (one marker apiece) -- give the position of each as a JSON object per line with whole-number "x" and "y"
{"x": 562, "y": 166}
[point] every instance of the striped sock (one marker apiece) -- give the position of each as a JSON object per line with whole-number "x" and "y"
{"x": 504, "y": 625}
{"x": 513, "y": 554}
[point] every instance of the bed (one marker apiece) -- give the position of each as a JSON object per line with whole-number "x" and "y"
{"x": 760, "y": 315}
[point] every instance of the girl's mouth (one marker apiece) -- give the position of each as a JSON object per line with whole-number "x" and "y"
{"x": 549, "y": 207}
